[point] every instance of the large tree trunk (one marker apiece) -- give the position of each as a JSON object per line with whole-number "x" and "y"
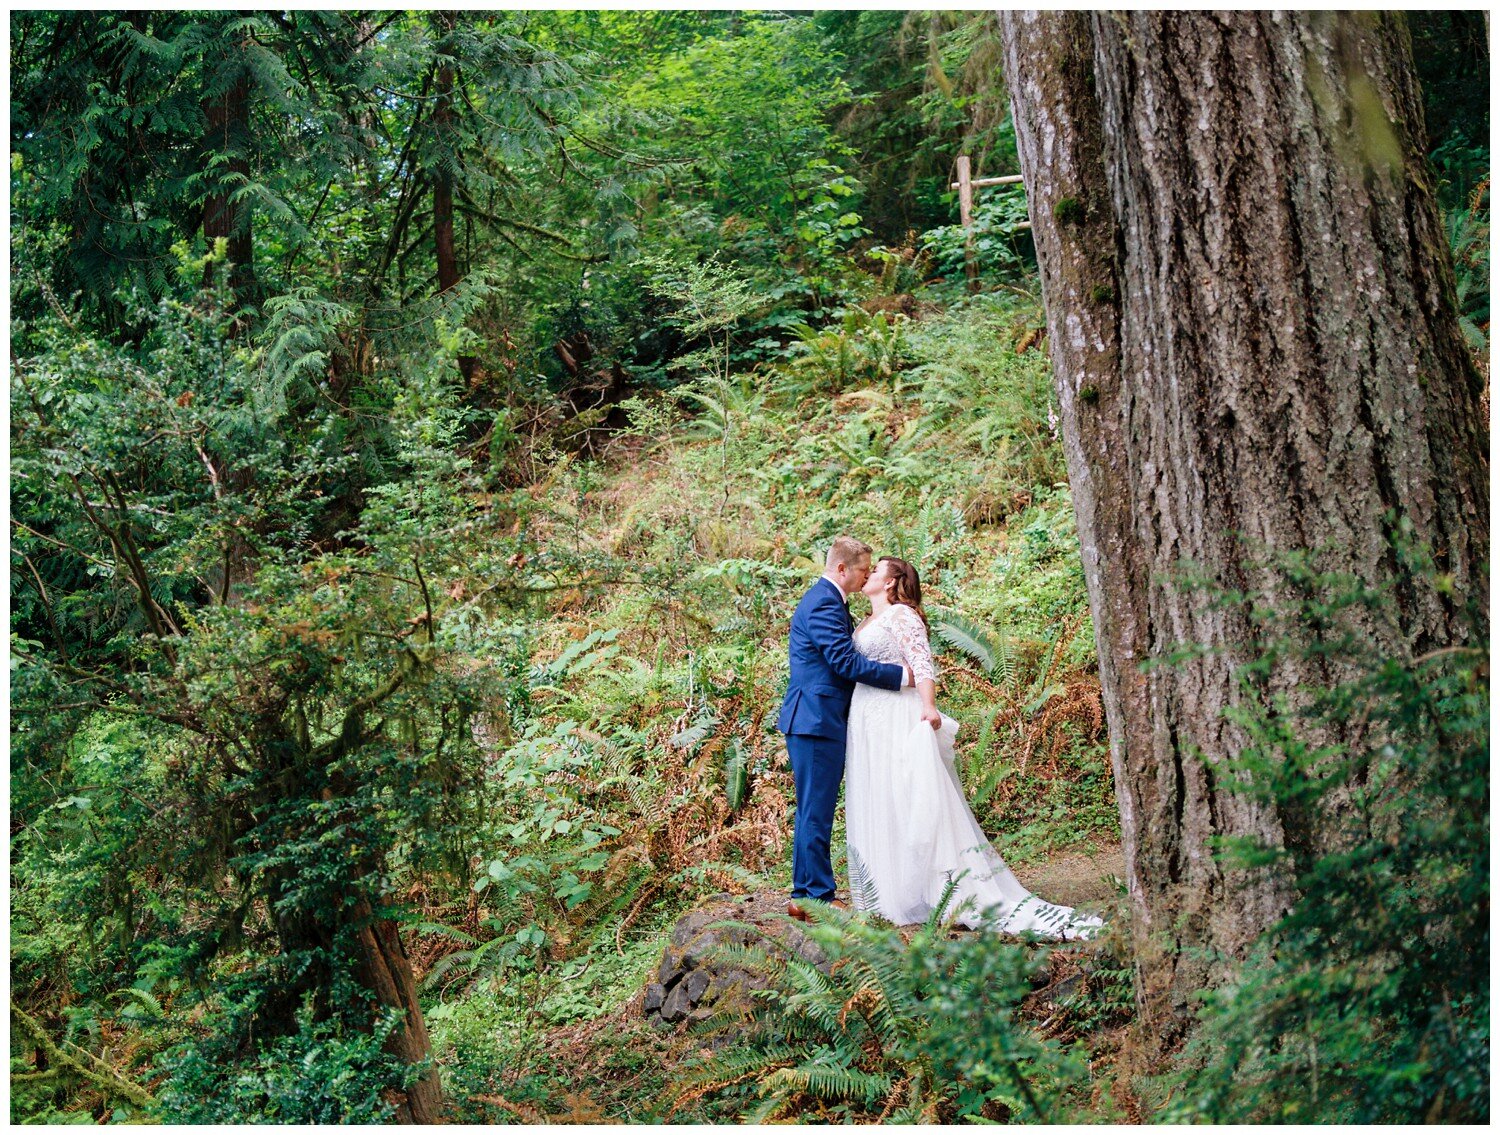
{"x": 337, "y": 934}
{"x": 442, "y": 185}
{"x": 228, "y": 133}
{"x": 444, "y": 246}
{"x": 373, "y": 947}
{"x": 1250, "y": 308}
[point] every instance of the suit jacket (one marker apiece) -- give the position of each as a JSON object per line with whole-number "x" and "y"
{"x": 825, "y": 667}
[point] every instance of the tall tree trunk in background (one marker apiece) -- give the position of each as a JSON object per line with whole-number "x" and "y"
{"x": 1250, "y": 306}
{"x": 227, "y": 117}
{"x": 442, "y": 174}
{"x": 372, "y": 947}
{"x": 384, "y": 969}
{"x": 442, "y": 183}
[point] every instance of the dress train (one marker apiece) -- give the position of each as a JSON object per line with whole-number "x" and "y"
{"x": 909, "y": 827}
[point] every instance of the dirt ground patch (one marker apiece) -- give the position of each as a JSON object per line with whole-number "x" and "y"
{"x": 1082, "y": 877}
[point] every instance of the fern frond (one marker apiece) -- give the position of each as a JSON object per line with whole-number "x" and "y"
{"x": 736, "y": 774}
{"x": 822, "y": 1011}
{"x": 447, "y": 932}
{"x": 968, "y": 638}
{"x": 140, "y": 999}
{"x": 445, "y": 965}
{"x": 861, "y": 883}
{"x": 769, "y": 1110}
{"x": 752, "y": 959}
{"x": 830, "y": 1082}
{"x": 872, "y": 1001}
{"x": 691, "y": 737}
{"x": 940, "y": 908}
{"x": 734, "y": 1066}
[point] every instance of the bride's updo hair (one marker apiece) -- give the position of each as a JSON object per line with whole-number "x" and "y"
{"x": 906, "y": 585}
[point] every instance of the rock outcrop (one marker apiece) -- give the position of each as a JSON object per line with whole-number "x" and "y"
{"x": 698, "y": 970}
{"x": 695, "y": 974}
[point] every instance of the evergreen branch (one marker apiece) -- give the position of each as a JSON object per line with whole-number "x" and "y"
{"x": 62, "y": 645}
{"x": 469, "y": 206}
{"x": 351, "y": 733}
{"x": 376, "y": 31}
{"x": 77, "y": 551}
{"x": 416, "y": 562}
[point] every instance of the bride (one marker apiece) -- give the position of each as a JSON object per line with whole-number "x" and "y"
{"x": 908, "y": 824}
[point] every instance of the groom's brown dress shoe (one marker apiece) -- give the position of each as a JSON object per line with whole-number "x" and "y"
{"x": 795, "y": 911}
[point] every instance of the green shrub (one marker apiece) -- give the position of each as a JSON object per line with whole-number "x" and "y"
{"x": 994, "y": 237}
{"x": 321, "y": 1074}
{"x": 1469, "y": 242}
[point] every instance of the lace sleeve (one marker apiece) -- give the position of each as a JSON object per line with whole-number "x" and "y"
{"x": 911, "y": 635}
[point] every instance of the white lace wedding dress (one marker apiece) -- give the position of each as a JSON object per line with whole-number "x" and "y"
{"x": 908, "y": 824}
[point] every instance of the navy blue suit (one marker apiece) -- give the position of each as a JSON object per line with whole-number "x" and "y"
{"x": 815, "y": 719}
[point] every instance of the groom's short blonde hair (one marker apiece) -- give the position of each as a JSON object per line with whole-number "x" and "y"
{"x": 846, "y": 550}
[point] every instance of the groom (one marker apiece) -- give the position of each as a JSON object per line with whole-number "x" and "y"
{"x": 815, "y": 714}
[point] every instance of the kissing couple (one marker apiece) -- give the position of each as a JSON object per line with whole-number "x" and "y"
{"x": 862, "y": 704}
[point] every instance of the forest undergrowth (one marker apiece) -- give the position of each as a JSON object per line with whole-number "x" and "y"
{"x": 625, "y": 757}
{"x": 626, "y": 765}
{"x": 707, "y": 517}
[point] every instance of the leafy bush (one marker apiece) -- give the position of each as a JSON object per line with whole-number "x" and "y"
{"x": 321, "y": 1074}
{"x": 995, "y": 237}
{"x": 860, "y": 349}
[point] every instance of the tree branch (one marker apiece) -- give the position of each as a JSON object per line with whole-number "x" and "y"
{"x": 62, "y": 647}
{"x": 97, "y": 1072}
{"x": 416, "y": 562}
{"x": 77, "y": 551}
{"x": 475, "y": 210}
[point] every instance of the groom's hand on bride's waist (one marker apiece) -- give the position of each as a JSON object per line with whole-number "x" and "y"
{"x": 906, "y": 678}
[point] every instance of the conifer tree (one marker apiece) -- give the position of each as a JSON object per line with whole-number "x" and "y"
{"x": 1256, "y": 350}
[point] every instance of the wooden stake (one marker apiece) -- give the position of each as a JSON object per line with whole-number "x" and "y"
{"x": 965, "y": 189}
{"x": 966, "y": 218}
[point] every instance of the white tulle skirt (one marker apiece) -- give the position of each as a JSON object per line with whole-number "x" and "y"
{"x": 910, "y": 829}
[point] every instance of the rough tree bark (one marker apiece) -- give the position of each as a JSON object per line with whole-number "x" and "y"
{"x": 381, "y": 966}
{"x": 385, "y": 970}
{"x": 1249, "y": 302}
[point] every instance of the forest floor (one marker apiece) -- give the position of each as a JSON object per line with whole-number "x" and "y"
{"x": 619, "y": 1064}
{"x": 1084, "y": 875}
